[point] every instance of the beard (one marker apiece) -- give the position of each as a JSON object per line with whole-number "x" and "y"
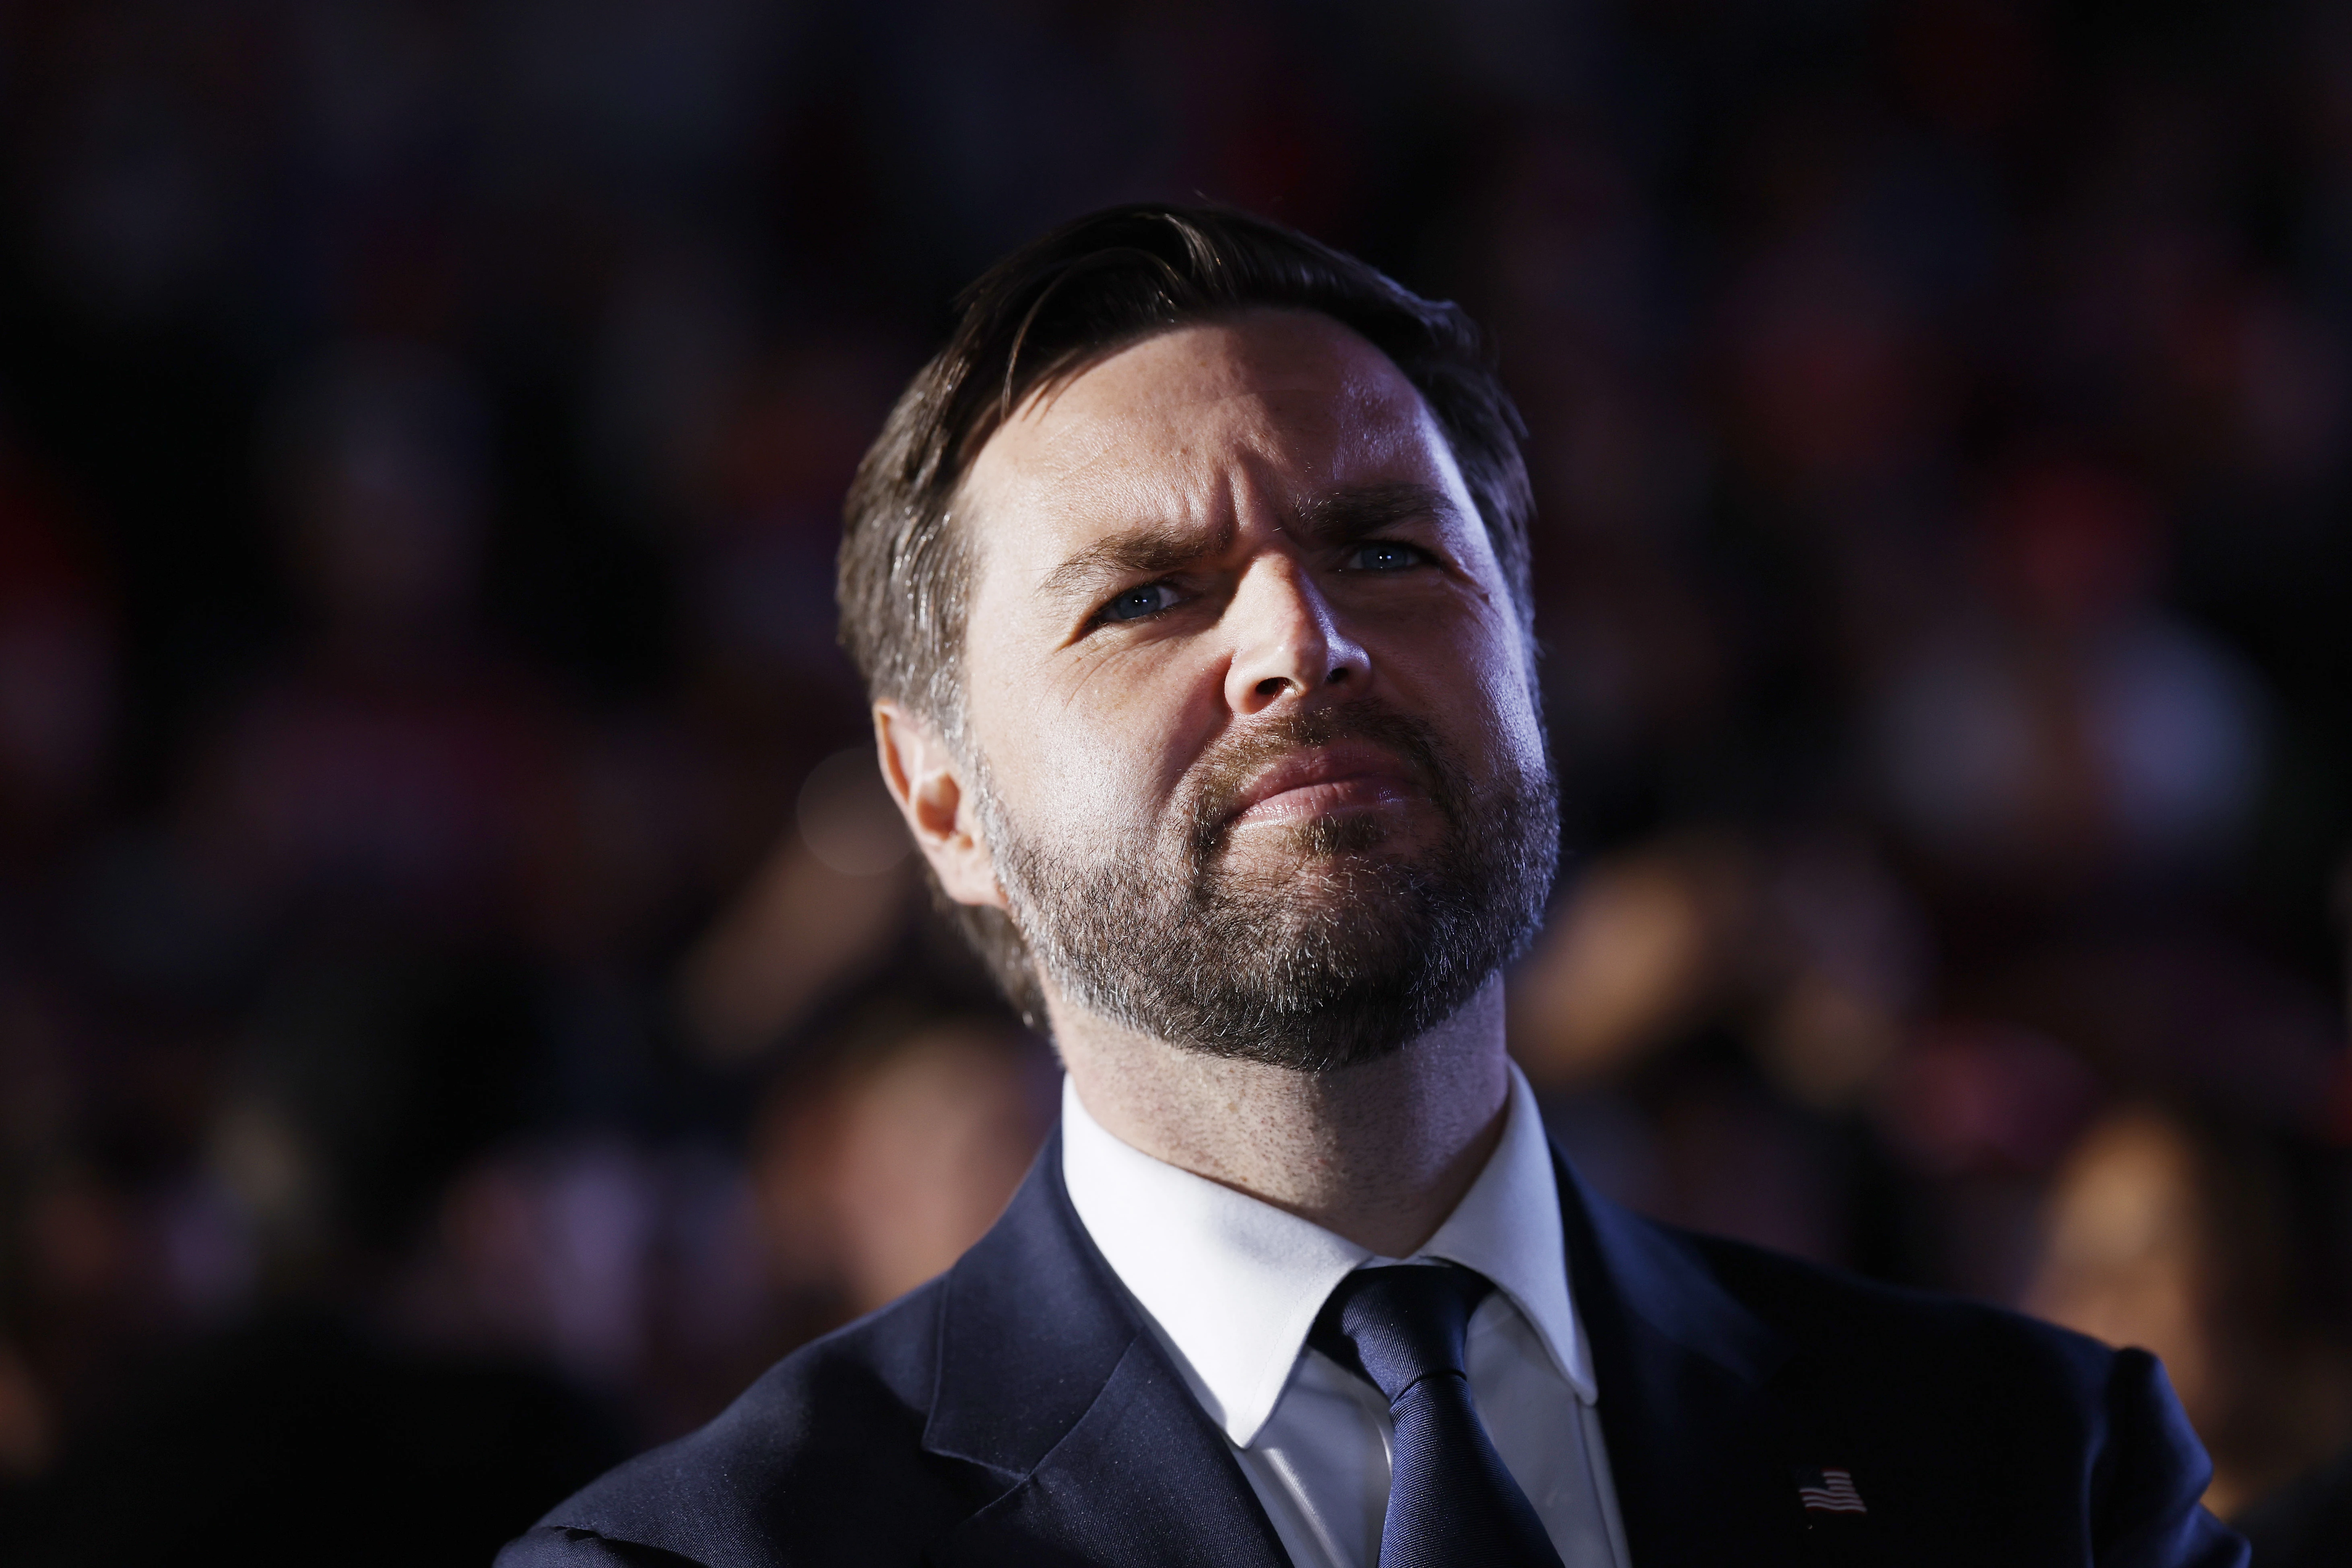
{"x": 1333, "y": 947}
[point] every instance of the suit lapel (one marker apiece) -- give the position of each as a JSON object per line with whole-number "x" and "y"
{"x": 1696, "y": 1447}
{"x": 1048, "y": 1379}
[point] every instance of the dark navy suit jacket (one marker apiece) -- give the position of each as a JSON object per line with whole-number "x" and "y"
{"x": 1016, "y": 1411}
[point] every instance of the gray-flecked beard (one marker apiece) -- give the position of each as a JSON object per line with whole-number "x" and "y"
{"x": 1333, "y": 954}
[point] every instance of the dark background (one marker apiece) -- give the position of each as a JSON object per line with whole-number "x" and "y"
{"x": 455, "y": 1023}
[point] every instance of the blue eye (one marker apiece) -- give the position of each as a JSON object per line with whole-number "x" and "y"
{"x": 1385, "y": 556}
{"x": 1136, "y": 603}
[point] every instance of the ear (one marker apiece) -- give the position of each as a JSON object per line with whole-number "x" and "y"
{"x": 923, "y": 779}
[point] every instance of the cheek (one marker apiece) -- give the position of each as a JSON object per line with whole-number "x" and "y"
{"x": 1520, "y": 737}
{"x": 1103, "y": 746}
{"x": 1509, "y": 733}
{"x": 1512, "y": 697}
{"x": 1506, "y": 675}
{"x": 1475, "y": 685}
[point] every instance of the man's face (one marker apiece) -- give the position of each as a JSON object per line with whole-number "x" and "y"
{"x": 1249, "y": 714}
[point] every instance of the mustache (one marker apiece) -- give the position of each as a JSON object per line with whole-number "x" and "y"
{"x": 1227, "y": 768}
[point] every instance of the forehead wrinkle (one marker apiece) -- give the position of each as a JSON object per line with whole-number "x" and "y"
{"x": 1218, "y": 345}
{"x": 1092, "y": 418}
{"x": 1065, "y": 452}
{"x": 1153, "y": 393}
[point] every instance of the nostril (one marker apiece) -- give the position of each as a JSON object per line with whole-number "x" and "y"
{"x": 1337, "y": 675}
{"x": 1271, "y": 685}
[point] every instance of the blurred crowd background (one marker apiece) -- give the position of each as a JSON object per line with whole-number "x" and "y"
{"x": 465, "y": 1008}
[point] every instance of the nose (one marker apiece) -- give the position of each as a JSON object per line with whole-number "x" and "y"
{"x": 1287, "y": 642}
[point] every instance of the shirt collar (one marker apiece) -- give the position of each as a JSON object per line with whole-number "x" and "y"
{"x": 1234, "y": 1284}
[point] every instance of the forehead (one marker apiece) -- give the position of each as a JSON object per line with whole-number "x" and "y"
{"x": 1168, "y": 428}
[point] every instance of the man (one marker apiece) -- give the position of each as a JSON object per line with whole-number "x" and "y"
{"x": 1190, "y": 583}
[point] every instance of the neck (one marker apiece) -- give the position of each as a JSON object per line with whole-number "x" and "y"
{"x": 1379, "y": 1154}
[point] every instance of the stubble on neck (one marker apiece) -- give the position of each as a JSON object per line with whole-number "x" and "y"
{"x": 1380, "y": 1153}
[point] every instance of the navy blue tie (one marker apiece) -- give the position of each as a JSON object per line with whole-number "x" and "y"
{"x": 1450, "y": 1502}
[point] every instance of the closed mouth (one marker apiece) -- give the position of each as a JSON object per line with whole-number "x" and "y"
{"x": 1351, "y": 775}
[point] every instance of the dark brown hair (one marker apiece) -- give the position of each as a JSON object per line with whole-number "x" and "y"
{"x": 1045, "y": 313}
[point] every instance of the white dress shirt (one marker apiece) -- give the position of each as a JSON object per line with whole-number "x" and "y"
{"x": 1230, "y": 1286}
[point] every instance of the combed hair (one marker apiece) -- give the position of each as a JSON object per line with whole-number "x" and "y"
{"x": 1044, "y": 314}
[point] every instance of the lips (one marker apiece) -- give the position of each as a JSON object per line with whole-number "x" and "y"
{"x": 1321, "y": 780}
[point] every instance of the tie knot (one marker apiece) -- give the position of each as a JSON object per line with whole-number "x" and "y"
{"x": 1395, "y": 1326}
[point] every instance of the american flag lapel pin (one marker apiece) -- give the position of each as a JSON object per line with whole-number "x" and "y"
{"x": 1829, "y": 1491}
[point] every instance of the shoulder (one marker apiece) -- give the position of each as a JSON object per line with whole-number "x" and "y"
{"x": 1953, "y": 1401}
{"x": 1866, "y": 1324}
{"x": 1906, "y": 1356}
{"x": 1768, "y": 1315}
{"x": 820, "y": 1461}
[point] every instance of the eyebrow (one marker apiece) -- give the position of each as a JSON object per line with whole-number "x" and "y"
{"x": 1342, "y": 517}
{"x": 1156, "y": 549}
{"x": 1152, "y": 549}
